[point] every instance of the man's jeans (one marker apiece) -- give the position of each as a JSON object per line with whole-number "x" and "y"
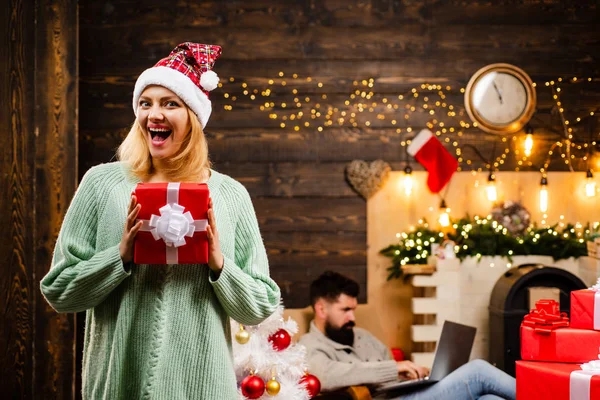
{"x": 476, "y": 380}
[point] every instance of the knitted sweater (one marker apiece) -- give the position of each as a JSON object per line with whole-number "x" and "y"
{"x": 157, "y": 331}
{"x": 366, "y": 362}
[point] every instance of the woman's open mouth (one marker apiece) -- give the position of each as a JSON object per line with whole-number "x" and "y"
{"x": 159, "y": 135}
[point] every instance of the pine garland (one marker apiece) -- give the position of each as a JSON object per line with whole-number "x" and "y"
{"x": 484, "y": 237}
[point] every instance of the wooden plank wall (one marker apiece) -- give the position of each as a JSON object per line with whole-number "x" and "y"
{"x": 38, "y": 161}
{"x": 311, "y": 220}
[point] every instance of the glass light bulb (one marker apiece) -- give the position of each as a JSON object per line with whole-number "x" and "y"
{"x": 590, "y": 187}
{"x": 490, "y": 189}
{"x": 543, "y": 198}
{"x": 528, "y": 144}
{"x": 444, "y": 218}
{"x": 408, "y": 184}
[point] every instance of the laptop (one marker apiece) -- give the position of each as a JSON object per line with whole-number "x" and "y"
{"x": 453, "y": 351}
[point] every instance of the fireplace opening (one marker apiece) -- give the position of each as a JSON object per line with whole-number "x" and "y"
{"x": 510, "y": 302}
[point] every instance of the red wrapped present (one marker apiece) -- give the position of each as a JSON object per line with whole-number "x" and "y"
{"x": 566, "y": 345}
{"x": 546, "y": 336}
{"x": 556, "y": 381}
{"x": 175, "y": 216}
{"x": 585, "y": 309}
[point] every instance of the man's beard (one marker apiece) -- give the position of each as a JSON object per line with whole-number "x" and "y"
{"x": 343, "y": 335}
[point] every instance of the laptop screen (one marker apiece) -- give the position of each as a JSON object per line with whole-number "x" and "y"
{"x": 453, "y": 349}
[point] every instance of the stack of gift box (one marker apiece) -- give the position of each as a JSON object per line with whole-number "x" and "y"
{"x": 560, "y": 357}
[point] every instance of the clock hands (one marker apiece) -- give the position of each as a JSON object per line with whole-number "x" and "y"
{"x": 498, "y": 91}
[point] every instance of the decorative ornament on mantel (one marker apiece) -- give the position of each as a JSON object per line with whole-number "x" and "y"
{"x": 513, "y": 216}
{"x": 367, "y": 178}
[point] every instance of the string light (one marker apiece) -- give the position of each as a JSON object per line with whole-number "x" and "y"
{"x": 590, "y": 184}
{"x": 544, "y": 194}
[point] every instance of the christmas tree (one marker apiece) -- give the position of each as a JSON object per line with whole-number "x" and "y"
{"x": 268, "y": 365}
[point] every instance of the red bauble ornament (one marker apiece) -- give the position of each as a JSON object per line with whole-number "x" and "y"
{"x": 253, "y": 387}
{"x": 280, "y": 340}
{"x": 313, "y": 385}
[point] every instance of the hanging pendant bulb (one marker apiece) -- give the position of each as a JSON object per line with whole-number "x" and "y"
{"x": 528, "y": 141}
{"x": 590, "y": 184}
{"x": 490, "y": 189}
{"x": 444, "y": 218}
{"x": 408, "y": 180}
{"x": 544, "y": 195}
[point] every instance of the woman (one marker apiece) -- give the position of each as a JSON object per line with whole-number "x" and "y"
{"x": 161, "y": 331}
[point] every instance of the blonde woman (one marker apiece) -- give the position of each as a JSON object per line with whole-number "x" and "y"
{"x": 161, "y": 331}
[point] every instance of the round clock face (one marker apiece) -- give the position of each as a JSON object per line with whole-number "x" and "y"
{"x": 499, "y": 98}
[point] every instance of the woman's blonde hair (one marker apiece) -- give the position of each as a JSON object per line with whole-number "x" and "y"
{"x": 189, "y": 164}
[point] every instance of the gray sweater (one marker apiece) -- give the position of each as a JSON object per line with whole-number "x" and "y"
{"x": 368, "y": 362}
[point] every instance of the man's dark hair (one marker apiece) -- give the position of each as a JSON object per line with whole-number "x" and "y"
{"x": 330, "y": 285}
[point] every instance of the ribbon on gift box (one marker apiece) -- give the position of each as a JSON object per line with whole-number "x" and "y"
{"x": 596, "y": 288}
{"x": 580, "y": 381}
{"x": 173, "y": 225}
{"x": 546, "y": 317}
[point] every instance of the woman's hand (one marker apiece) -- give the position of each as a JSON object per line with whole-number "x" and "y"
{"x": 130, "y": 230}
{"x": 410, "y": 370}
{"x": 215, "y": 257}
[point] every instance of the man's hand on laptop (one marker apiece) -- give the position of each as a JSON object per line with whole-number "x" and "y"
{"x": 410, "y": 370}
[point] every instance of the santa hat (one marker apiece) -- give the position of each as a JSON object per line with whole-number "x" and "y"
{"x": 188, "y": 73}
{"x": 431, "y": 154}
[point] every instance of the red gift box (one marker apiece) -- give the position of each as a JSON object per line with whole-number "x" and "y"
{"x": 556, "y": 381}
{"x": 585, "y": 309}
{"x": 175, "y": 217}
{"x": 566, "y": 345}
{"x": 546, "y": 336}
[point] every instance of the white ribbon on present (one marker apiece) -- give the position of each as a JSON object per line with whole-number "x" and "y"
{"x": 596, "y": 288}
{"x": 173, "y": 225}
{"x": 580, "y": 381}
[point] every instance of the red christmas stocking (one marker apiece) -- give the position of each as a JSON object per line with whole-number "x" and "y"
{"x": 431, "y": 154}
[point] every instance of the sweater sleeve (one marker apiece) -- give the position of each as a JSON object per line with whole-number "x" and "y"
{"x": 80, "y": 276}
{"x": 338, "y": 374}
{"x": 244, "y": 287}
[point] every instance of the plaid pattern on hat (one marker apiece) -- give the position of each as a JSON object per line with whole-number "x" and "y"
{"x": 187, "y": 72}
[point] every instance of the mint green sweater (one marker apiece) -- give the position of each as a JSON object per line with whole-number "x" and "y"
{"x": 157, "y": 331}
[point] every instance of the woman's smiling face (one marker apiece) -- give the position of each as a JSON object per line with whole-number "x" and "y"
{"x": 164, "y": 119}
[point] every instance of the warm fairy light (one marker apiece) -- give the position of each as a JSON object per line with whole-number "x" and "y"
{"x": 490, "y": 189}
{"x": 544, "y": 195}
{"x": 590, "y": 184}
{"x": 408, "y": 180}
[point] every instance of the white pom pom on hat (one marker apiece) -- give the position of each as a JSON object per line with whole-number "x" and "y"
{"x": 209, "y": 80}
{"x": 187, "y": 72}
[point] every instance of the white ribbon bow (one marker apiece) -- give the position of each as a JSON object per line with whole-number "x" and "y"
{"x": 173, "y": 225}
{"x": 593, "y": 365}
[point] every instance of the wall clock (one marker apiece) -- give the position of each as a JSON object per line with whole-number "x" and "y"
{"x": 500, "y": 98}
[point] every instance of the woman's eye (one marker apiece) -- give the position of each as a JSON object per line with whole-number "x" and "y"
{"x": 172, "y": 104}
{"x": 144, "y": 103}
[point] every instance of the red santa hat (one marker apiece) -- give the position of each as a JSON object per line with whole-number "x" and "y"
{"x": 431, "y": 154}
{"x": 187, "y": 72}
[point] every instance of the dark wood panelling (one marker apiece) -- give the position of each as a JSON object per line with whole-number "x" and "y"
{"x": 39, "y": 168}
{"x": 55, "y": 182}
{"x": 17, "y": 307}
{"x": 267, "y": 14}
{"x": 296, "y": 177}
